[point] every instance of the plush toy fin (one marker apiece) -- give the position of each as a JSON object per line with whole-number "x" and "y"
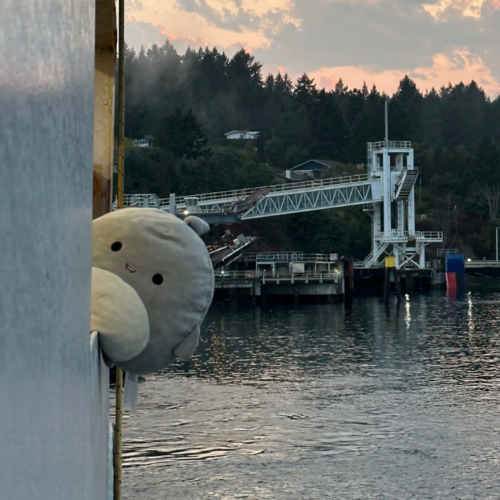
{"x": 199, "y": 225}
{"x": 107, "y": 360}
{"x": 119, "y": 315}
{"x": 186, "y": 348}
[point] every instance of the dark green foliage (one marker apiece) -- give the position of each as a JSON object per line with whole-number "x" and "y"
{"x": 189, "y": 101}
{"x": 328, "y": 128}
{"x": 406, "y": 111}
{"x": 149, "y": 171}
{"x": 181, "y": 134}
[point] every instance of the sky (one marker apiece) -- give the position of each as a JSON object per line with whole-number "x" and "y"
{"x": 435, "y": 42}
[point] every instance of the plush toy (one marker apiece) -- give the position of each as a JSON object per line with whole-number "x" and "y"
{"x": 149, "y": 261}
{"x": 119, "y": 315}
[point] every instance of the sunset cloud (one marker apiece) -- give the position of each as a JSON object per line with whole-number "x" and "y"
{"x": 258, "y": 8}
{"x": 468, "y": 8}
{"x": 221, "y": 23}
{"x": 143, "y": 33}
{"x": 460, "y": 66}
{"x": 434, "y": 41}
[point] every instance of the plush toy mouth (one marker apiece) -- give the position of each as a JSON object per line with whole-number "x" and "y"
{"x": 130, "y": 269}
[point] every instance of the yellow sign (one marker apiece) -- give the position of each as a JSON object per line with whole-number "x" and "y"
{"x": 390, "y": 262}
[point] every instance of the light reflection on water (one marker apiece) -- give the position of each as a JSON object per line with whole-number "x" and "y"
{"x": 319, "y": 402}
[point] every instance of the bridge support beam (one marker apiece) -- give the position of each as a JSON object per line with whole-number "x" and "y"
{"x": 386, "y": 191}
{"x": 411, "y": 212}
{"x": 421, "y": 251}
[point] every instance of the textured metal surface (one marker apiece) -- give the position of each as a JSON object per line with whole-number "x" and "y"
{"x": 53, "y": 421}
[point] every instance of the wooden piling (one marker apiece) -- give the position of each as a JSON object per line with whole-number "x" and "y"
{"x": 397, "y": 283}
{"x": 387, "y": 286}
{"x": 390, "y": 265}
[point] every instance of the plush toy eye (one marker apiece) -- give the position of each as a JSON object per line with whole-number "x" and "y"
{"x": 116, "y": 246}
{"x": 157, "y": 279}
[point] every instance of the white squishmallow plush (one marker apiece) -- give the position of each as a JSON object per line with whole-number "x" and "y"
{"x": 167, "y": 264}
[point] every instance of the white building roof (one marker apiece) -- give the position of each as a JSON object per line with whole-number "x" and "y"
{"x": 241, "y": 132}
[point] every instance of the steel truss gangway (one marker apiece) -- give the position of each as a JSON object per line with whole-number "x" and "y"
{"x": 386, "y": 193}
{"x": 268, "y": 201}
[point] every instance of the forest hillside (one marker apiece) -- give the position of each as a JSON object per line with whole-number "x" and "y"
{"x": 187, "y": 102}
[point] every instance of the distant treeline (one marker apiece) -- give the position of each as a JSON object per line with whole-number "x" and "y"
{"x": 187, "y": 102}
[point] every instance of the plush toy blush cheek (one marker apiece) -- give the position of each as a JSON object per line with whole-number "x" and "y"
{"x": 119, "y": 315}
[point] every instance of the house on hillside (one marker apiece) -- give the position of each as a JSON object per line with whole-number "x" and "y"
{"x": 311, "y": 169}
{"x": 145, "y": 142}
{"x": 241, "y": 134}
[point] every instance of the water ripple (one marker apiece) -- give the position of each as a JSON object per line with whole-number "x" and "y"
{"x": 318, "y": 402}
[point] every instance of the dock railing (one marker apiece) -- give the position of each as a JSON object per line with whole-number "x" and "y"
{"x": 431, "y": 236}
{"x": 276, "y": 188}
{"x": 482, "y": 263}
{"x": 390, "y": 144}
{"x": 145, "y": 200}
{"x": 280, "y": 257}
{"x": 265, "y": 275}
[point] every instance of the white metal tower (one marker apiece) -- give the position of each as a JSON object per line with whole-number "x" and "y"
{"x": 393, "y": 219}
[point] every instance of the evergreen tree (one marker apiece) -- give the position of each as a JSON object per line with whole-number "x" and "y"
{"x": 406, "y": 111}
{"x": 328, "y": 128}
{"x": 305, "y": 92}
{"x": 431, "y": 130}
{"x": 181, "y": 134}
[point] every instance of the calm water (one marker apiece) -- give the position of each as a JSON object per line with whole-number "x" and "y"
{"x": 317, "y": 402}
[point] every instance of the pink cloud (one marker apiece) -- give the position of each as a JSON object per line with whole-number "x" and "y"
{"x": 185, "y": 41}
{"x": 178, "y": 22}
{"x": 468, "y": 8}
{"x": 459, "y": 66}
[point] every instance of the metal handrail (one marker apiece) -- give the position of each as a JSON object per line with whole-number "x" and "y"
{"x": 281, "y": 275}
{"x": 390, "y": 144}
{"x": 291, "y": 256}
{"x": 276, "y": 188}
{"x": 415, "y": 234}
{"x": 362, "y": 264}
{"x": 138, "y": 200}
{"x": 482, "y": 263}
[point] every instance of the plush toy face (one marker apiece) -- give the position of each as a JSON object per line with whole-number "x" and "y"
{"x": 169, "y": 267}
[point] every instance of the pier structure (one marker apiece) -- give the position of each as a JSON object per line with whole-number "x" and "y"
{"x": 293, "y": 275}
{"x": 482, "y": 275}
{"x": 386, "y": 192}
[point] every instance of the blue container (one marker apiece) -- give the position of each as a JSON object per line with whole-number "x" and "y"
{"x": 455, "y": 263}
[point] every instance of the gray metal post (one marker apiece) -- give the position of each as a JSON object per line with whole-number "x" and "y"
{"x": 387, "y": 123}
{"x": 172, "y": 203}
